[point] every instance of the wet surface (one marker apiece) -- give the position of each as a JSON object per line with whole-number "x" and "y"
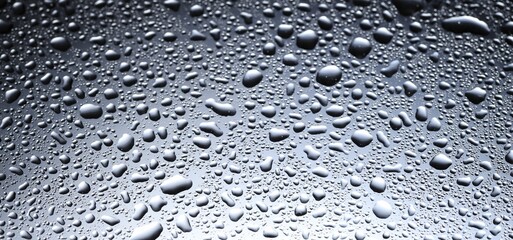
{"x": 254, "y": 119}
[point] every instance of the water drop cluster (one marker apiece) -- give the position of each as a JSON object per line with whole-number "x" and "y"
{"x": 256, "y": 119}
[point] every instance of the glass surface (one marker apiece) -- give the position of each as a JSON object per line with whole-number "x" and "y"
{"x": 172, "y": 119}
